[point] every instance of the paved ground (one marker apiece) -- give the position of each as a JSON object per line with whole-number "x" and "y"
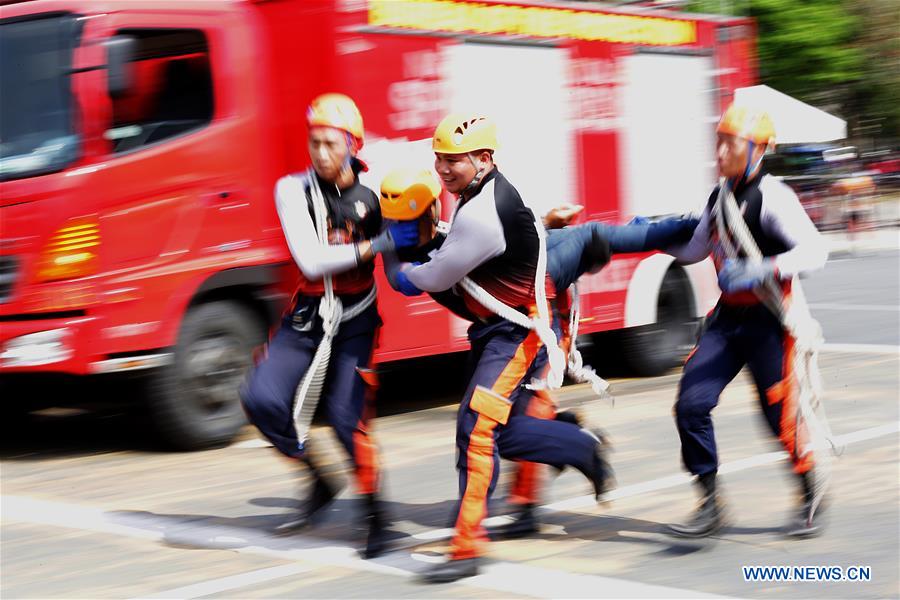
{"x": 88, "y": 512}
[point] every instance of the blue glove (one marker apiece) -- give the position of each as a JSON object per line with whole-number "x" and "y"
{"x": 739, "y": 275}
{"x": 398, "y": 234}
{"x": 404, "y": 285}
{"x": 404, "y": 233}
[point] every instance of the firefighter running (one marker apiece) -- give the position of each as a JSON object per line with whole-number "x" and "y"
{"x": 410, "y": 195}
{"x": 746, "y": 327}
{"x": 332, "y": 225}
{"x": 493, "y": 240}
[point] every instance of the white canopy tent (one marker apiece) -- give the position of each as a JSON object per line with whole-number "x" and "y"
{"x": 795, "y": 122}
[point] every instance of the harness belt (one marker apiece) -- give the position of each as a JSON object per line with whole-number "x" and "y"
{"x": 559, "y": 363}
{"x": 539, "y": 324}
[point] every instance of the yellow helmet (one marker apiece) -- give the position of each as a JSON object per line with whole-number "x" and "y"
{"x": 463, "y": 133}
{"x": 338, "y": 111}
{"x": 406, "y": 193}
{"x": 748, "y": 123}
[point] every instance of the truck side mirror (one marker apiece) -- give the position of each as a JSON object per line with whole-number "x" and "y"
{"x": 120, "y": 51}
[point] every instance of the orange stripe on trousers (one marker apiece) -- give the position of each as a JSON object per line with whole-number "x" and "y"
{"x": 480, "y": 456}
{"x": 365, "y": 452}
{"x": 785, "y": 391}
{"x": 473, "y": 507}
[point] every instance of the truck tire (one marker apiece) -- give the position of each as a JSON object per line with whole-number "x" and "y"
{"x": 194, "y": 401}
{"x": 651, "y": 350}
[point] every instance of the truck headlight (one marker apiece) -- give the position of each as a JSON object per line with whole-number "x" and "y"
{"x": 41, "y": 348}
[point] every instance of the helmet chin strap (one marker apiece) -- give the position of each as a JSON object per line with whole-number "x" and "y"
{"x": 349, "y": 158}
{"x": 478, "y": 175}
{"x": 750, "y": 168}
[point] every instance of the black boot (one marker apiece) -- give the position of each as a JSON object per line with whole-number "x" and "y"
{"x": 524, "y": 523}
{"x": 602, "y": 475}
{"x": 451, "y": 571}
{"x": 568, "y": 416}
{"x": 709, "y": 518}
{"x": 323, "y": 492}
{"x": 377, "y": 542}
{"x": 808, "y": 521}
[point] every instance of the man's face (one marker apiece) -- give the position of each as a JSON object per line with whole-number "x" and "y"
{"x": 731, "y": 154}
{"x": 328, "y": 151}
{"x": 455, "y": 170}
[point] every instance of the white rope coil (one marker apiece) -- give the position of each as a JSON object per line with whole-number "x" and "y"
{"x": 577, "y": 370}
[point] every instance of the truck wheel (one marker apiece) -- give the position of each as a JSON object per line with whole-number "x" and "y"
{"x": 194, "y": 401}
{"x": 651, "y": 350}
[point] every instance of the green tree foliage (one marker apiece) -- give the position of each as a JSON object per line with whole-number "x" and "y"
{"x": 876, "y": 97}
{"x": 839, "y": 54}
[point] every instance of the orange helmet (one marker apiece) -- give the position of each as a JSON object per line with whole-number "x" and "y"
{"x": 406, "y": 193}
{"x": 748, "y": 123}
{"x": 463, "y": 133}
{"x": 338, "y": 111}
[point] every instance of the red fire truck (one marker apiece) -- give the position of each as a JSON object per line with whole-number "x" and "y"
{"x": 140, "y": 141}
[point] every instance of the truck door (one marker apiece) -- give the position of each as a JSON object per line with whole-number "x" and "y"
{"x": 177, "y": 185}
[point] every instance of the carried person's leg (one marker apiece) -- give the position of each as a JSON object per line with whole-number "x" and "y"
{"x": 535, "y": 436}
{"x": 574, "y": 251}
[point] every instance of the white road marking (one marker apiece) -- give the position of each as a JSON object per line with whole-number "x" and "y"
{"x": 233, "y": 582}
{"x": 254, "y": 443}
{"x": 863, "y": 349}
{"x": 854, "y": 307}
{"x": 729, "y": 467}
{"x": 506, "y": 577}
{"x": 538, "y": 582}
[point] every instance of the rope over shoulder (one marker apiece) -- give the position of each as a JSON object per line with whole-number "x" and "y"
{"x": 539, "y": 324}
{"x": 309, "y": 391}
{"x": 797, "y": 321}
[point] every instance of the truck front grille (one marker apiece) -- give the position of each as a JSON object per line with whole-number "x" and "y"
{"x": 9, "y": 270}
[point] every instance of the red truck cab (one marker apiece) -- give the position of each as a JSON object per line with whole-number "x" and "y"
{"x": 140, "y": 149}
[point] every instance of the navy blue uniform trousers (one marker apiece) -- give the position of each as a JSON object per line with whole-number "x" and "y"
{"x": 347, "y": 397}
{"x": 738, "y": 336}
{"x": 566, "y": 246}
{"x": 492, "y": 423}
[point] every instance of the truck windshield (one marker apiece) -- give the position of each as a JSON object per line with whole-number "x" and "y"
{"x": 36, "y": 104}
